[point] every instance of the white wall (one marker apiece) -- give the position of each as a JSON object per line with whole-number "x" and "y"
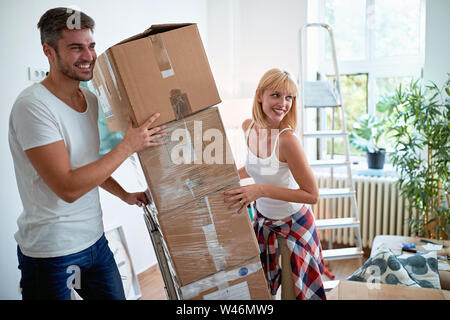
{"x": 245, "y": 39}
{"x": 248, "y": 37}
{"x": 437, "y": 44}
{"x": 116, "y": 20}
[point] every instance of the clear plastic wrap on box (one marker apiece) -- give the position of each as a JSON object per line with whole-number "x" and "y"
{"x": 243, "y": 282}
{"x": 195, "y": 160}
{"x": 204, "y": 237}
{"x": 209, "y": 247}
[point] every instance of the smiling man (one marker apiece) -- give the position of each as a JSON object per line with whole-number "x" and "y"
{"x": 54, "y": 142}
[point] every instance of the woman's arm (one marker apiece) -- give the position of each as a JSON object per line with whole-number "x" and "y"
{"x": 243, "y": 173}
{"x": 292, "y": 152}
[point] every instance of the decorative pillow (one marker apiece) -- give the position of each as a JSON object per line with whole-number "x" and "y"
{"x": 423, "y": 268}
{"x": 383, "y": 267}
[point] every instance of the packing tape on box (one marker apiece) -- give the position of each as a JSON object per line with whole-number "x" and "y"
{"x": 161, "y": 56}
{"x": 218, "y": 280}
{"x": 216, "y": 251}
{"x": 189, "y": 155}
{"x": 112, "y": 74}
{"x": 180, "y": 104}
{"x": 104, "y": 103}
{"x": 140, "y": 177}
{"x": 238, "y": 291}
{"x": 186, "y": 147}
{"x": 103, "y": 79}
{"x": 193, "y": 181}
{"x": 190, "y": 184}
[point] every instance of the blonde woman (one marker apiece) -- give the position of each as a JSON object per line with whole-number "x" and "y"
{"x": 284, "y": 188}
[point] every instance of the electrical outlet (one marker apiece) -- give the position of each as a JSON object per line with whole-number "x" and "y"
{"x": 36, "y": 74}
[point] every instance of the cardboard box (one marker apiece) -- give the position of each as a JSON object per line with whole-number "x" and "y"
{"x": 352, "y": 290}
{"x": 204, "y": 237}
{"x": 243, "y": 282}
{"x": 164, "y": 69}
{"x": 195, "y": 160}
{"x": 394, "y": 243}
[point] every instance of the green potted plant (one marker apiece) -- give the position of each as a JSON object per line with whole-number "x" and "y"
{"x": 418, "y": 120}
{"x": 366, "y": 137}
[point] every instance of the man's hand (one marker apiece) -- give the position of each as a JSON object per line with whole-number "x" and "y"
{"x": 137, "y": 198}
{"x": 140, "y": 138}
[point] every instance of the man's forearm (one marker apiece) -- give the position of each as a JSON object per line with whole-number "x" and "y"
{"x": 52, "y": 162}
{"x": 113, "y": 187}
{"x": 97, "y": 173}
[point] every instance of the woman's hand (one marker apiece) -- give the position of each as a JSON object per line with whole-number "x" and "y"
{"x": 243, "y": 196}
{"x": 137, "y": 198}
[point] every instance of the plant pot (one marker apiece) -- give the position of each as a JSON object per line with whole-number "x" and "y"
{"x": 376, "y": 160}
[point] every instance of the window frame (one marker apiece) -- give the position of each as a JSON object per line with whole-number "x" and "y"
{"x": 383, "y": 67}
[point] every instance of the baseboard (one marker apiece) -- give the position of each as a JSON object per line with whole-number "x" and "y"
{"x": 152, "y": 267}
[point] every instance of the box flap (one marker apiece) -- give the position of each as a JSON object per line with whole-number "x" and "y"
{"x": 154, "y": 29}
{"x": 157, "y": 28}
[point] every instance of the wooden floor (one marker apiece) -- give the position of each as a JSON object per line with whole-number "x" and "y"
{"x": 152, "y": 284}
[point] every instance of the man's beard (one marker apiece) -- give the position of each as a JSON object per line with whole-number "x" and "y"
{"x": 69, "y": 72}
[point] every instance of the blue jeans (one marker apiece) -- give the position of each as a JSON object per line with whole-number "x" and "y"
{"x": 92, "y": 272}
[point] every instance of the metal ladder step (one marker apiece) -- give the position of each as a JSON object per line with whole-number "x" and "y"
{"x": 326, "y": 193}
{"x": 325, "y": 134}
{"x": 319, "y": 94}
{"x": 342, "y": 253}
{"x": 328, "y": 163}
{"x": 337, "y": 223}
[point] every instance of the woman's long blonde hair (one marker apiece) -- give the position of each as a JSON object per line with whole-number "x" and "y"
{"x": 277, "y": 80}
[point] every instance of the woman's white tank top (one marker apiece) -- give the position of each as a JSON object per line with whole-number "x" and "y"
{"x": 272, "y": 172}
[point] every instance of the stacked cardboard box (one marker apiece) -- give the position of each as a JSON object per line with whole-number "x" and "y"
{"x": 243, "y": 282}
{"x": 213, "y": 250}
{"x": 164, "y": 69}
{"x": 195, "y": 160}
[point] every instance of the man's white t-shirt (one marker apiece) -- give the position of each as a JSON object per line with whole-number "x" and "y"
{"x": 49, "y": 226}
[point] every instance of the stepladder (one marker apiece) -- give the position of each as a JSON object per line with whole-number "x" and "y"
{"x": 321, "y": 99}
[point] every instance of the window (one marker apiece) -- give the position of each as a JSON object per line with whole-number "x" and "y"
{"x": 379, "y": 44}
{"x": 354, "y": 89}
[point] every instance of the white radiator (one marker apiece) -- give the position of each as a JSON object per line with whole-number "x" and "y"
{"x": 381, "y": 209}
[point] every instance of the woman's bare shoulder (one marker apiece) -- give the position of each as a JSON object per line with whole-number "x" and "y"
{"x": 246, "y": 124}
{"x": 289, "y": 141}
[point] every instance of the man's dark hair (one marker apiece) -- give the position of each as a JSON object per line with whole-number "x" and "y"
{"x": 55, "y": 20}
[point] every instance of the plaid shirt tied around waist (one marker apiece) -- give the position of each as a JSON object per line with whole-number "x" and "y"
{"x": 302, "y": 240}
